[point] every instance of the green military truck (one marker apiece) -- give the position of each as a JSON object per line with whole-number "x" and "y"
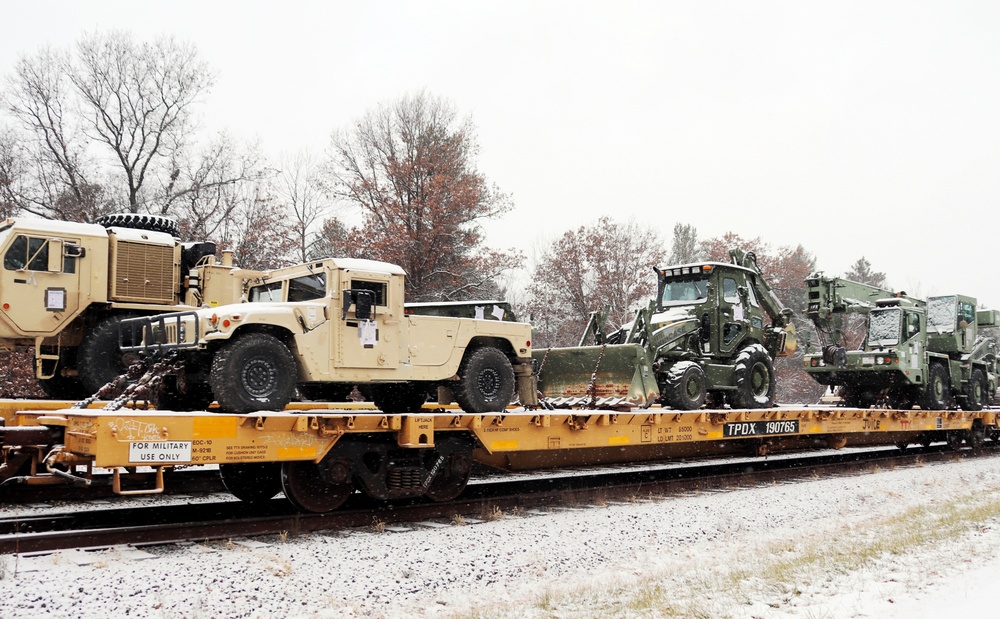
{"x": 322, "y": 327}
{"x": 913, "y": 352}
{"x": 66, "y": 286}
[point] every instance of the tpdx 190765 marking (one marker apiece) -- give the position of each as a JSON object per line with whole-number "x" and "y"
{"x": 760, "y": 428}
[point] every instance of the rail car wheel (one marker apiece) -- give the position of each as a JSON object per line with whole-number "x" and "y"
{"x": 253, "y": 372}
{"x": 254, "y": 482}
{"x": 976, "y": 436}
{"x": 755, "y": 380}
{"x": 937, "y": 390}
{"x": 316, "y": 488}
{"x": 395, "y": 398}
{"x": 99, "y": 360}
{"x": 485, "y": 382}
{"x": 975, "y": 392}
{"x": 454, "y": 465}
{"x": 685, "y": 386}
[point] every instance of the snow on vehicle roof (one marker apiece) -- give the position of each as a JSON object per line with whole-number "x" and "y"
{"x": 375, "y": 266}
{"x": 147, "y": 236}
{"x": 54, "y": 226}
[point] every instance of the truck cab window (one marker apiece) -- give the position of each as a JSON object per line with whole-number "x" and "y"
{"x": 268, "y": 293}
{"x": 730, "y": 290}
{"x": 307, "y": 288}
{"x": 27, "y": 252}
{"x": 378, "y": 288}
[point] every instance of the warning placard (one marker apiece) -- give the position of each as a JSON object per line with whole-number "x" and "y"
{"x": 159, "y": 452}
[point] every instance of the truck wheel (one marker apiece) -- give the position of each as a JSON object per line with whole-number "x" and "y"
{"x": 755, "y": 380}
{"x": 937, "y": 391}
{"x": 99, "y": 360}
{"x": 485, "y": 382}
{"x": 396, "y": 398}
{"x": 975, "y": 392}
{"x": 140, "y": 221}
{"x": 254, "y": 372}
{"x": 685, "y": 386}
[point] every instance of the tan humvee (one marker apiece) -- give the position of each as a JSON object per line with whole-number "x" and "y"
{"x": 328, "y": 325}
{"x": 65, "y": 286}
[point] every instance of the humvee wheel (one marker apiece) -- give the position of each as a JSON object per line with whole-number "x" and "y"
{"x": 975, "y": 392}
{"x": 685, "y": 386}
{"x": 485, "y": 382}
{"x": 253, "y": 482}
{"x": 99, "y": 360}
{"x": 453, "y": 472}
{"x": 755, "y": 381}
{"x": 253, "y": 372}
{"x": 394, "y": 398}
{"x": 937, "y": 390}
{"x": 307, "y": 489}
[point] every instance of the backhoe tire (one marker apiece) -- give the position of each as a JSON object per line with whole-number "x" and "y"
{"x": 99, "y": 359}
{"x": 485, "y": 382}
{"x": 755, "y": 380}
{"x": 937, "y": 389}
{"x": 140, "y": 221}
{"x": 975, "y": 392}
{"x": 254, "y": 372}
{"x": 685, "y": 386}
{"x": 398, "y": 398}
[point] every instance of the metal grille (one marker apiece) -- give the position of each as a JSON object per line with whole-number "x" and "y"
{"x": 144, "y": 273}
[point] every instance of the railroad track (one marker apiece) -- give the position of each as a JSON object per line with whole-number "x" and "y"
{"x": 226, "y": 520}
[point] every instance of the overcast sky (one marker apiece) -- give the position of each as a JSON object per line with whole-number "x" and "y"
{"x": 853, "y": 128}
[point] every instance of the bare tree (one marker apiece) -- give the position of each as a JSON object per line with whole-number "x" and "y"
{"x": 684, "y": 248}
{"x": 299, "y": 188}
{"x": 409, "y": 166}
{"x": 109, "y": 126}
{"x": 606, "y": 263}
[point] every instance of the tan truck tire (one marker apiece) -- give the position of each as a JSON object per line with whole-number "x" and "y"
{"x": 253, "y": 372}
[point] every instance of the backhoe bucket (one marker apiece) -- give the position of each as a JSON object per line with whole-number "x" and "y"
{"x": 608, "y": 376}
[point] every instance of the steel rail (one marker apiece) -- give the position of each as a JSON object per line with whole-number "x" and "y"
{"x": 214, "y": 521}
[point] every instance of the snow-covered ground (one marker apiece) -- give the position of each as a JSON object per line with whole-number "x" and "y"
{"x": 922, "y": 541}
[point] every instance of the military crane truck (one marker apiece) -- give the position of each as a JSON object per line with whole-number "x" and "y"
{"x": 331, "y": 324}
{"x": 65, "y": 287}
{"x": 913, "y": 352}
{"x": 713, "y": 330}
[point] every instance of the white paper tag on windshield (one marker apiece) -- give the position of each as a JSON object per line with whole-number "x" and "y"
{"x": 498, "y": 312}
{"x": 480, "y": 312}
{"x": 368, "y": 333}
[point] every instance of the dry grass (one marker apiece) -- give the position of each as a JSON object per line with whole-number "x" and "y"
{"x": 776, "y": 574}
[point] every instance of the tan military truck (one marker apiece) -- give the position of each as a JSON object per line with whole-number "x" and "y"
{"x": 65, "y": 286}
{"x": 326, "y": 326}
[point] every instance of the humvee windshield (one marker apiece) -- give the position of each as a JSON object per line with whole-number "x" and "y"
{"x": 884, "y": 326}
{"x": 304, "y": 288}
{"x": 683, "y": 291}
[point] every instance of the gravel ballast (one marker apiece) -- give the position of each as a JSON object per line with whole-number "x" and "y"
{"x": 829, "y": 547}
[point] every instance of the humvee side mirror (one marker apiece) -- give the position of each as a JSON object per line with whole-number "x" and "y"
{"x": 363, "y": 300}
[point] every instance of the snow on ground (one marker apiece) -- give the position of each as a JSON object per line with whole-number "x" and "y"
{"x": 916, "y": 542}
